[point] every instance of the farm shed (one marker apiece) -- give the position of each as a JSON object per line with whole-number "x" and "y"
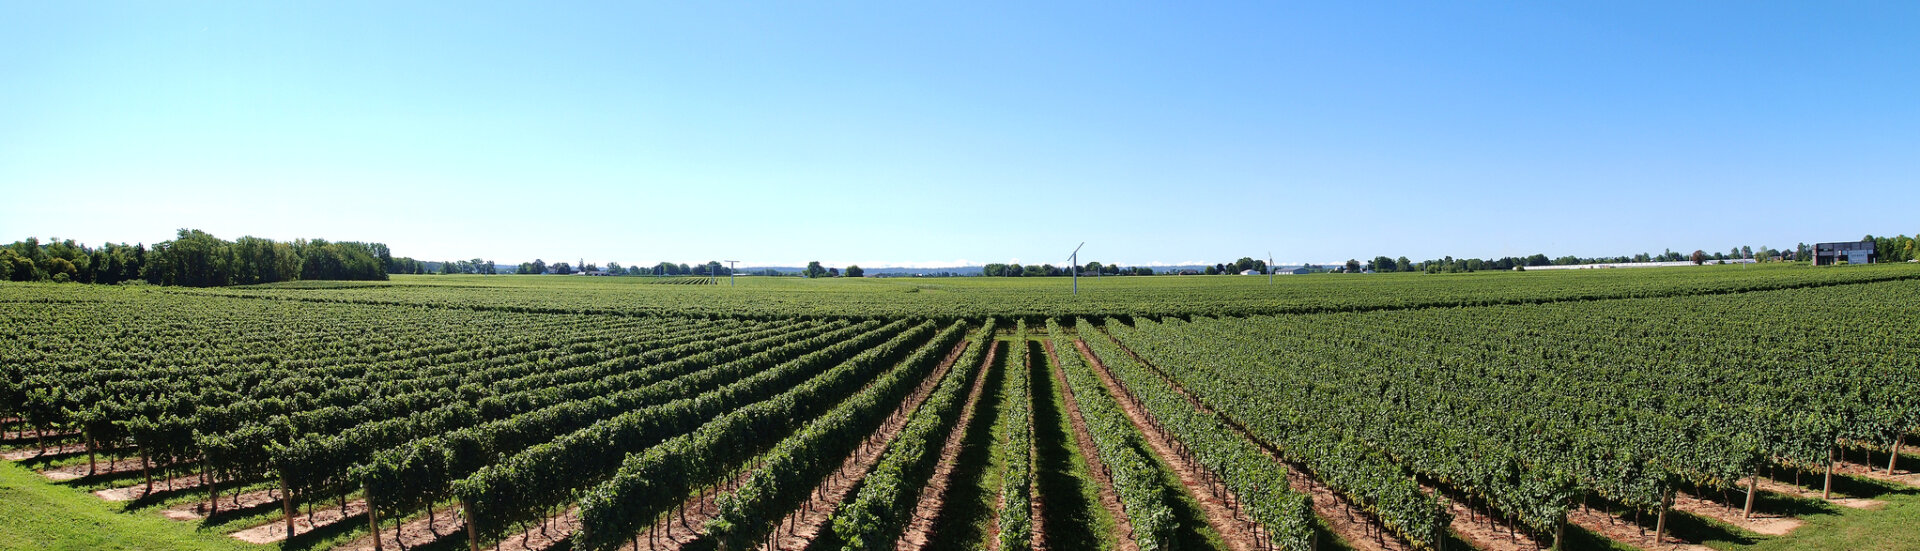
{"x": 1853, "y": 252}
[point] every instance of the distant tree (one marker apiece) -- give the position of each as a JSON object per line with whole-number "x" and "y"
{"x": 853, "y": 270}
{"x": 814, "y": 269}
{"x": 1384, "y": 264}
{"x": 1353, "y": 266}
{"x": 1212, "y": 270}
{"x": 833, "y": 272}
{"x": 1016, "y": 270}
{"x": 562, "y": 268}
{"x": 615, "y": 268}
{"x": 539, "y": 266}
{"x": 1746, "y": 251}
{"x": 1093, "y": 267}
{"x": 1699, "y": 257}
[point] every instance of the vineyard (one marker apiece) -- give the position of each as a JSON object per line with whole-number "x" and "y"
{"x": 1716, "y": 407}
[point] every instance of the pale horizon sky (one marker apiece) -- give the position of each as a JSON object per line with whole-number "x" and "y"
{"x": 929, "y": 134}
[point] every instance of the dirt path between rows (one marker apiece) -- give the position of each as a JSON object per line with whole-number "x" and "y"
{"x": 804, "y": 525}
{"x": 692, "y": 517}
{"x": 276, "y": 530}
{"x": 1360, "y": 532}
{"x": 37, "y": 452}
{"x": 1221, "y": 506}
{"x": 81, "y": 470}
{"x": 1764, "y": 524}
{"x": 1037, "y": 510}
{"x": 16, "y": 436}
{"x": 197, "y": 509}
{"x": 1626, "y": 532}
{"x": 1770, "y": 485}
{"x": 926, "y": 514}
{"x": 445, "y": 522}
{"x": 137, "y": 491}
{"x": 1907, "y": 476}
{"x": 1123, "y": 541}
{"x": 676, "y": 531}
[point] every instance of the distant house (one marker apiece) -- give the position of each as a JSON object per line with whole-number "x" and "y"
{"x": 1853, "y": 252}
{"x": 598, "y": 273}
{"x": 1249, "y": 272}
{"x": 1295, "y": 271}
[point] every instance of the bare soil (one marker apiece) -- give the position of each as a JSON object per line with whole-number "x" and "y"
{"x": 1221, "y": 505}
{"x": 276, "y": 530}
{"x": 933, "y": 499}
{"x": 1484, "y": 533}
{"x": 198, "y": 509}
{"x": 1771, "y": 525}
{"x": 138, "y": 491}
{"x": 39, "y": 451}
{"x": 802, "y": 526}
{"x": 1906, "y": 476}
{"x": 12, "y": 436}
{"x": 678, "y": 530}
{"x": 1625, "y": 531}
{"x": 1359, "y": 531}
{"x": 413, "y": 533}
{"x": 78, "y": 470}
{"x": 1770, "y": 485}
{"x": 1082, "y": 438}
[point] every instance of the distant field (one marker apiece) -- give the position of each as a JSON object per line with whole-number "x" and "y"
{"x": 976, "y": 297}
{"x": 1496, "y": 411}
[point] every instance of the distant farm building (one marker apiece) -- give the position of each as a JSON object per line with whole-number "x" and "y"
{"x": 1852, "y": 252}
{"x": 1295, "y": 271}
{"x": 1249, "y": 272}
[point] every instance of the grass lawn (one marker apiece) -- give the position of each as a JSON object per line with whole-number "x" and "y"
{"x": 1895, "y": 526}
{"x": 975, "y": 487}
{"x": 41, "y": 515}
{"x": 1075, "y": 519}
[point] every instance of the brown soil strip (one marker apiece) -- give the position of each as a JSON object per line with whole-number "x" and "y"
{"x": 414, "y": 533}
{"x": 276, "y": 530}
{"x": 1484, "y": 533}
{"x": 933, "y": 499}
{"x": 1906, "y": 476}
{"x": 1770, "y": 525}
{"x": 678, "y": 530}
{"x": 1770, "y": 485}
{"x": 24, "y": 454}
{"x": 1221, "y": 506}
{"x": 802, "y": 526}
{"x": 1123, "y": 541}
{"x": 138, "y": 491}
{"x": 78, "y": 470}
{"x": 1360, "y": 532}
{"x": 1626, "y": 532}
{"x": 1037, "y": 510}
{"x": 198, "y": 509}
{"x": 545, "y": 535}
{"x": 12, "y": 436}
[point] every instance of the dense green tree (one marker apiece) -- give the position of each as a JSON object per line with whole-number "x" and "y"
{"x": 853, "y": 270}
{"x": 814, "y": 269}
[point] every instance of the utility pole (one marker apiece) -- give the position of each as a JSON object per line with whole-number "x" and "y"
{"x": 1073, "y": 262}
{"x": 1270, "y": 268}
{"x": 730, "y": 271}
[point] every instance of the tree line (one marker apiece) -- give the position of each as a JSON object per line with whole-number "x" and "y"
{"x": 195, "y": 259}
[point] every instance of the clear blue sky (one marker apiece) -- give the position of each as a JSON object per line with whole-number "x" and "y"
{"x": 913, "y": 133}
